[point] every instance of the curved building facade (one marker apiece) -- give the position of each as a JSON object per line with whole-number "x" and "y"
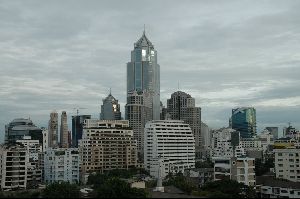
{"x": 244, "y": 120}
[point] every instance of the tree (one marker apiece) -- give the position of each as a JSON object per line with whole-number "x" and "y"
{"x": 206, "y": 164}
{"x": 180, "y": 182}
{"x": 61, "y": 190}
{"x": 262, "y": 168}
{"x": 117, "y": 188}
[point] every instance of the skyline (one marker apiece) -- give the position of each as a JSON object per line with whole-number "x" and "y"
{"x": 58, "y": 55}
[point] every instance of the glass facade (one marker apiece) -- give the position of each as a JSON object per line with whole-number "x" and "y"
{"x": 244, "y": 120}
{"x": 143, "y": 73}
{"x": 110, "y": 110}
{"x": 77, "y": 128}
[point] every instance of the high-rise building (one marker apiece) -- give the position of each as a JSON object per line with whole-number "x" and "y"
{"x": 107, "y": 145}
{"x": 110, "y": 110}
{"x": 143, "y": 88}
{"x": 21, "y": 127}
{"x": 244, "y": 120}
{"x": 173, "y": 142}
{"x": 64, "y": 137}
{"x": 181, "y": 106}
{"x": 77, "y": 128}
{"x": 53, "y": 130}
{"x": 273, "y": 131}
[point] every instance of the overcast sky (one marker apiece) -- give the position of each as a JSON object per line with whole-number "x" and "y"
{"x": 57, "y": 55}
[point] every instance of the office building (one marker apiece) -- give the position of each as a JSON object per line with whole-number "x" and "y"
{"x": 287, "y": 163}
{"x": 45, "y": 139}
{"x": 53, "y": 130}
{"x": 173, "y": 142}
{"x": 14, "y": 161}
{"x": 244, "y": 120}
{"x": 64, "y": 136}
{"x": 138, "y": 112}
{"x": 110, "y": 110}
{"x": 143, "y": 89}
{"x": 77, "y": 128}
{"x": 21, "y": 127}
{"x": 61, "y": 165}
{"x": 181, "y": 106}
{"x": 107, "y": 145}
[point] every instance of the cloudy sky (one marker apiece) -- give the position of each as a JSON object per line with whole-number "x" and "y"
{"x": 58, "y": 55}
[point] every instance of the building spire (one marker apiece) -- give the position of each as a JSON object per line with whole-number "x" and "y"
{"x": 109, "y": 91}
{"x": 144, "y": 32}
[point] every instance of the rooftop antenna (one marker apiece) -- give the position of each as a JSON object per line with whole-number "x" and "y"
{"x": 178, "y": 85}
{"x": 144, "y": 28}
{"x": 109, "y": 91}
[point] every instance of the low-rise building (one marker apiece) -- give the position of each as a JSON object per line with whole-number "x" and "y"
{"x": 240, "y": 169}
{"x": 199, "y": 176}
{"x": 270, "y": 187}
{"x": 14, "y": 160}
{"x": 61, "y": 165}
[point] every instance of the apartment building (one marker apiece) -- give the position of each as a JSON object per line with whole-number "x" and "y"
{"x": 240, "y": 169}
{"x": 107, "y": 145}
{"x": 61, "y": 165}
{"x": 171, "y": 140}
{"x": 13, "y": 166}
{"x": 287, "y": 164}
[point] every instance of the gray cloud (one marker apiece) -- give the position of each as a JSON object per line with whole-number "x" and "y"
{"x": 60, "y": 55}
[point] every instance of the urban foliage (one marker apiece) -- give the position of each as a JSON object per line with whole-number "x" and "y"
{"x": 20, "y": 194}
{"x": 61, "y": 190}
{"x": 112, "y": 184}
{"x": 206, "y": 164}
{"x": 179, "y": 181}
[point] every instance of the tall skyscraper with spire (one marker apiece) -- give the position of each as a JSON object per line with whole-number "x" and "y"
{"x": 143, "y": 88}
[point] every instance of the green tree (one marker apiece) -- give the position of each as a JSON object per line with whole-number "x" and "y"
{"x": 206, "y": 164}
{"x": 117, "y": 188}
{"x": 61, "y": 190}
{"x": 180, "y": 182}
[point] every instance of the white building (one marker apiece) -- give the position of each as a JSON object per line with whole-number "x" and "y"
{"x": 266, "y": 138}
{"x": 287, "y": 164}
{"x": 240, "y": 169}
{"x": 13, "y": 166}
{"x": 45, "y": 140}
{"x": 61, "y": 164}
{"x": 173, "y": 141}
{"x": 34, "y": 168}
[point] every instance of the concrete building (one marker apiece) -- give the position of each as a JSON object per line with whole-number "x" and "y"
{"x": 45, "y": 139}
{"x": 107, "y": 145}
{"x": 53, "y": 130}
{"x": 244, "y": 120}
{"x": 181, "y": 106}
{"x": 266, "y": 138}
{"x": 64, "y": 137}
{"x": 34, "y": 168}
{"x": 240, "y": 169}
{"x": 173, "y": 141}
{"x": 77, "y": 128}
{"x": 287, "y": 164}
{"x": 20, "y": 127}
{"x": 110, "y": 109}
{"x": 269, "y": 187}
{"x": 61, "y": 165}
{"x": 14, "y": 162}
{"x": 138, "y": 112}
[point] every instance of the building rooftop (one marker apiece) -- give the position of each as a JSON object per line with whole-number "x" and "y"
{"x": 273, "y": 182}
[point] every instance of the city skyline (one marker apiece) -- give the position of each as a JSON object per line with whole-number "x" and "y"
{"x": 50, "y": 55}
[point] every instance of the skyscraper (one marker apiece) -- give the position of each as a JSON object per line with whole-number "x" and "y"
{"x": 110, "y": 110}
{"x": 53, "y": 130}
{"x": 143, "y": 88}
{"x": 64, "y": 141}
{"x": 77, "y": 128}
{"x": 181, "y": 106}
{"x": 244, "y": 120}
{"x": 273, "y": 131}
